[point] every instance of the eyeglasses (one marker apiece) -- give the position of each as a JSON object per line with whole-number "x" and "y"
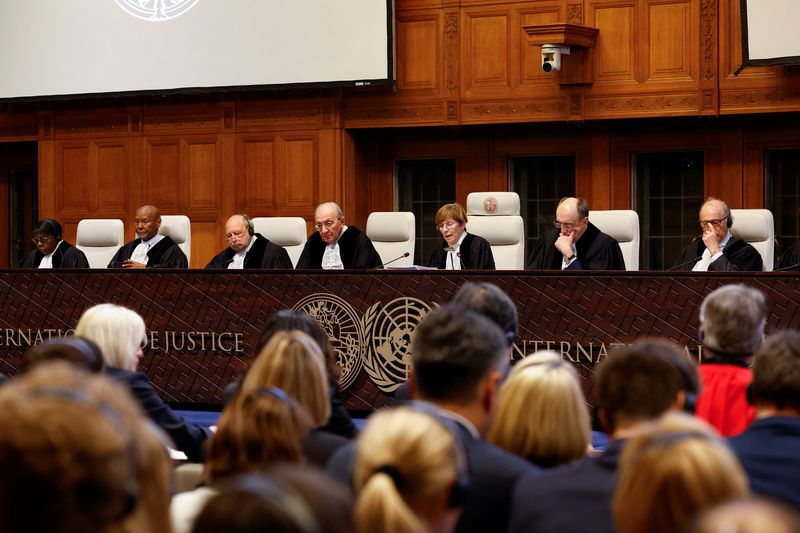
{"x": 446, "y": 225}
{"x": 568, "y": 227}
{"x": 41, "y": 240}
{"x": 327, "y": 224}
{"x": 714, "y": 223}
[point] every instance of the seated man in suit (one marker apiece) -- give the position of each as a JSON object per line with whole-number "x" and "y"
{"x": 51, "y": 251}
{"x": 149, "y": 249}
{"x": 575, "y": 243}
{"x": 718, "y": 250}
{"x": 248, "y": 249}
{"x": 335, "y": 245}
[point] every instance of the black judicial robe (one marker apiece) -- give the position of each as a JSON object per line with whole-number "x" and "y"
{"x": 790, "y": 258}
{"x": 475, "y": 252}
{"x": 737, "y": 255}
{"x": 165, "y": 254}
{"x": 65, "y": 256}
{"x": 263, "y": 254}
{"x": 595, "y": 251}
{"x": 355, "y": 249}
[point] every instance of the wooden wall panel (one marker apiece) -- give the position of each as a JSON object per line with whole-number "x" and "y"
{"x": 297, "y": 188}
{"x": 112, "y": 173}
{"x": 202, "y": 180}
{"x": 672, "y": 42}
{"x": 487, "y": 51}
{"x": 72, "y": 163}
{"x": 257, "y": 171}
{"x": 616, "y": 43}
{"x": 418, "y": 53}
{"x": 162, "y": 168}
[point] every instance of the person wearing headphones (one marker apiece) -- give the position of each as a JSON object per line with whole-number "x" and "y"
{"x": 717, "y": 250}
{"x": 248, "y": 249}
{"x": 335, "y": 245}
{"x": 51, "y": 250}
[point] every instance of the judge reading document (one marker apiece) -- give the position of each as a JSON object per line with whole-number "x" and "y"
{"x": 459, "y": 250}
{"x": 335, "y": 245}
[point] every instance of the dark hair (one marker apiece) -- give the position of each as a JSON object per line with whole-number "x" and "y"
{"x": 79, "y": 351}
{"x": 642, "y": 381}
{"x": 453, "y": 349}
{"x": 776, "y": 371}
{"x": 489, "y": 300}
{"x": 292, "y": 320}
{"x": 48, "y": 226}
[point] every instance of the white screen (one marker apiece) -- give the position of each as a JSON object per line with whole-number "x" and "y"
{"x": 772, "y": 30}
{"x": 70, "y": 47}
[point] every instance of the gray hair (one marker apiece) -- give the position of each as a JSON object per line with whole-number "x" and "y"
{"x": 331, "y": 205}
{"x": 732, "y": 318}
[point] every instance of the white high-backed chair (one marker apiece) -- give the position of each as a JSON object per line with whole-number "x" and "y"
{"x": 757, "y": 227}
{"x": 179, "y": 229}
{"x": 495, "y": 217}
{"x": 393, "y": 234}
{"x": 623, "y": 225}
{"x": 289, "y": 232}
{"x": 99, "y": 239}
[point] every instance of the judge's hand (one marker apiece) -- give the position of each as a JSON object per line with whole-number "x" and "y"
{"x": 711, "y": 240}
{"x": 564, "y": 243}
{"x": 132, "y": 264}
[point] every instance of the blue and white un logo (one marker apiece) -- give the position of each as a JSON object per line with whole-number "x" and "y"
{"x": 156, "y": 10}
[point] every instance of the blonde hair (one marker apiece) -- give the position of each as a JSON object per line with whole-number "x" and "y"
{"x": 672, "y": 472}
{"x": 292, "y": 361}
{"x": 542, "y": 414}
{"x": 424, "y": 458}
{"x": 117, "y": 330}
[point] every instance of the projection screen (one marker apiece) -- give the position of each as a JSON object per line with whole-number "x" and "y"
{"x": 65, "y": 48}
{"x": 770, "y": 33}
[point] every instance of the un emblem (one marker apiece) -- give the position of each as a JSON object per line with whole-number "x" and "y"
{"x": 388, "y": 331}
{"x": 343, "y": 327}
{"x": 156, "y": 10}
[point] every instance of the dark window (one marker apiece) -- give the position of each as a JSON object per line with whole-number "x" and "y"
{"x": 541, "y": 181}
{"x": 783, "y": 194}
{"x": 668, "y": 192}
{"x": 423, "y": 186}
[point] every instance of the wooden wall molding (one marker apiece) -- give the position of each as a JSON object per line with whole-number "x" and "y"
{"x": 744, "y": 101}
{"x": 482, "y": 112}
{"x": 626, "y": 106}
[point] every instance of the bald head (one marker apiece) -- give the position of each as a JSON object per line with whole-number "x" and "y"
{"x": 572, "y": 216}
{"x": 147, "y": 222}
{"x": 329, "y": 221}
{"x": 715, "y": 216}
{"x": 237, "y": 233}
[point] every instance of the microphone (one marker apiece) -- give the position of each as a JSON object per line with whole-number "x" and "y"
{"x": 393, "y": 260}
{"x": 790, "y": 267}
{"x": 686, "y": 263}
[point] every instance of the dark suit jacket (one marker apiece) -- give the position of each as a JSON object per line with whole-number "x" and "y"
{"x": 165, "y": 254}
{"x": 355, "y": 248}
{"x": 263, "y": 254}
{"x": 790, "y": 258}
{"x": 65, "y": 256}
{"x": 188, "y": 438}
{"x": 475, "y": 251}
{"x": 737, "y": 255}
{"x": 595, "y": 251}
{"x": 319, "y": 446}
{"x": 574, "y": 498}
{"x": 769, "y": 451}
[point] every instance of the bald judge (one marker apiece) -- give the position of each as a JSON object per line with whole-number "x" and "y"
{"x": 149, "y": 249}
{"x": 336, "y": 245}
{"x": 575, "y": 243}
{"x": 248, "y": 249}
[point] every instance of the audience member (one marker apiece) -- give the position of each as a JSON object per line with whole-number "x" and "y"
{"x": 410, "y": 473}
{"x": 575, "y": 243}
{"x": 149, "y": 249}
{"x": 77, "y": 456}
{"x": 542, "y": 414}
{"x": 253, "y": 503}
{"x": 263, "y": 429}
{"x": 248, "y": 249}
{"x": 770, "y": 448}
{"x": 51, "y": 250}
{"x": 732, "y": 320}
{"x": 748, "y": 516}
{"x": 633, "y": 386}
{"x": 459, "y": 250}
{"x": 335, "y": 245}
{"x": 120, "y": 333}
{"x": 671, "y": 473}
{"x": 79, "y": 351}
{"x": 292, "y": 361}
{"x": 490, "y": 301}
{"x": 717, "y": 250}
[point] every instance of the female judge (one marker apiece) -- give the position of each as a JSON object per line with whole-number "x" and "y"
{"x": 459, "y": 250}
{"x": 51, "y": 250}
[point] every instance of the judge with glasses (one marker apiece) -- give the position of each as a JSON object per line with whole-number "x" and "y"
{"x": 51, "y": 250}
{"x": 335, "y": 245}
{"x": 459, "y": 249}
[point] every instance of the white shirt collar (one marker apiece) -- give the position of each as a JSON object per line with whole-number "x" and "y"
{"x": 155, "y": 239}
{"x": 47, "y": 261}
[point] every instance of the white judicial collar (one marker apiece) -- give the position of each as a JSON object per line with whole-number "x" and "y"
{"x": 237, "y": 262}
{"x": 706, "y": 259}
{"x": 140, "y": 252}
{"x": 47, "y": 261}
{"x": 453, "y": 261}
{"x": 332, "y": 257}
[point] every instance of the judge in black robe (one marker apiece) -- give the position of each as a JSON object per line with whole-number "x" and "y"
{"x": 263, "y": 254}
{"x": 594, "y": 250}
{"x": 716, "y": 221}
{"x": 475, "y": 253}
{"x": 355, "y": 248}
{"x": 163, "y": 254}
{"x": 790, "y": 260}
{"x": 64, "y": 256}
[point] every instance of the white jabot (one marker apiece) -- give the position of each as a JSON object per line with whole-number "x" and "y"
{"x": 706, "y": 259}
{"x": 565, "y": 263}
{"x": 47, "y": 261}
{"x": 140, "y": 252}
{"x": 237, "y": 262}
{"x": 332, "y": 257}
{"x": 453, "y": 260}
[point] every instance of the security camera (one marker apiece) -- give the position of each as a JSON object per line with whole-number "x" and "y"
{"x": 551, "y": 56}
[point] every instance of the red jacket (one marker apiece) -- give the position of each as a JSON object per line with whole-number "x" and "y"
{"x": 723, "y": 398}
